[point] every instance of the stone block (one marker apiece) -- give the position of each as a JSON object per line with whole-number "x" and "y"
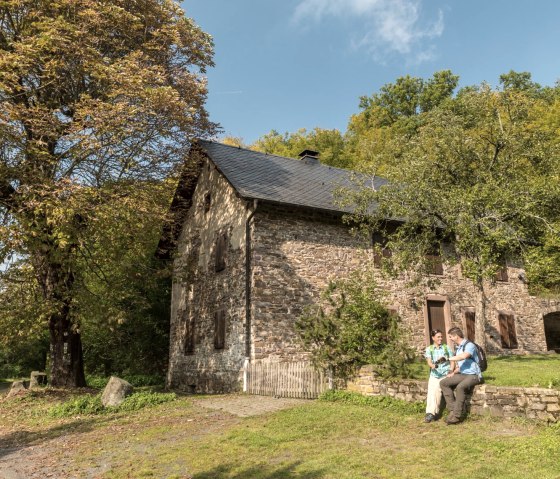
{"x": 550, "y": 399}
{"x": 537, "y": 406}
{"x": 116, "y": 391}
{"x": 496, "y": 411}
{"x": 37, "y": 379}
{"x": 545, "y": 416}
{"x": 18, "y": 388}
{"x": 553, "y": 407}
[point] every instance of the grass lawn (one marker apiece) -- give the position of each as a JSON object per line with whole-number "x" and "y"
{"x": 182, "y": 439}
{"x": 535, "y": 370}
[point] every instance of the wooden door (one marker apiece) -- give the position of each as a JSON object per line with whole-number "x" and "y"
{"x": 436, "y": 318}
{"x": 470, "y": 325}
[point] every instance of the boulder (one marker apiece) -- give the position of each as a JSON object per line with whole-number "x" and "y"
{"x": 37, "y": 379}
{"x": 18, "y": 388}
{"x": 116, "y": 391}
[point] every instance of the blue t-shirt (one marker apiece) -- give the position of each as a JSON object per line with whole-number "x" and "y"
{"x": 434, "y": 353}
{"x": 469, "y": 365}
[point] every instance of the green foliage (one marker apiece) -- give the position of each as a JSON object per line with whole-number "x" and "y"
{"x": 98, "y": 103}
{"x": 80, "y": 406}
{"x": 476, "y": 177}
{"x": 141, "y": 400}
{"x": 91, "y": 405}
{"x": 329, "y": 143}
{"x": 380, "y": 402}
{"x": 409, "y": 96}
{"x": 136, "y": 380}
{"x": 354, "y": 328}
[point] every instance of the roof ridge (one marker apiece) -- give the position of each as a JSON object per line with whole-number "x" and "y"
{"x": 274, "y": 155}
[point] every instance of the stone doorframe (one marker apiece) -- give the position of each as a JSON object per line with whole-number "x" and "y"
{"x": 446, "y": 314}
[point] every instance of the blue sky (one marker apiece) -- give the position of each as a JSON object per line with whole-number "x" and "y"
{"x": 290, "y": 64}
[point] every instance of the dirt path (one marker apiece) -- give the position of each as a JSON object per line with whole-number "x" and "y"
{"x": 32, "y": 455}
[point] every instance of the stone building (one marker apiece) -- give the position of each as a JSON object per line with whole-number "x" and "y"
{"x": 257, "y": 237}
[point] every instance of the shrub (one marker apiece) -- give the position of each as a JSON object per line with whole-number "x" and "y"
{"x": 81, "y": 406}
{"x": 91, "y": 405}
{"x": 355, "y": 328}
{"x": 145, "y": 399}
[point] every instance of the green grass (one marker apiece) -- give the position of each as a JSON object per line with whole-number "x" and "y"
{"x": 343, "y": 436}
{"x": 535, "y": 370}
{"x": 91, "y": 404}
{"x": 344, "y": 440}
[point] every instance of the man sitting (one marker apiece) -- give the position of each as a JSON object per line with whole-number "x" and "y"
{"x": 465, "y": 376}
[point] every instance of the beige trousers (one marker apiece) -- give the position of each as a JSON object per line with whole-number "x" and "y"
{"x": 433, "y": 401}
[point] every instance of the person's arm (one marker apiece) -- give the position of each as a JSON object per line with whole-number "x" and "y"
{"x": 460, "y": 356}
{"x": 430, "y": 363}
{"x": 465, "y": 354}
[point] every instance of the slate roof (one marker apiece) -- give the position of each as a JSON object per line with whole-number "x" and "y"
{"x": 282, "y": 180}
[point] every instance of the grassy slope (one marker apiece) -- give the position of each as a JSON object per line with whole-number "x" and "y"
{"x": 318, "y": 440}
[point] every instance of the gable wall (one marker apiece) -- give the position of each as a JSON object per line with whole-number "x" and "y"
{"x": 199, "y": 291}
{"x": 295, "y": 255}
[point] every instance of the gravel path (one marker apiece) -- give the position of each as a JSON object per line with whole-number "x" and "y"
{"x": 244, "y": 405}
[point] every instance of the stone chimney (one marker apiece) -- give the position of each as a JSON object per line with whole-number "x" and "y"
{"x": 309, "y": 157}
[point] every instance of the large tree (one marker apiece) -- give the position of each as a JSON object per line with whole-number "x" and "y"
{"x": 477, "y": 172}
{"x": 94, "y": 96}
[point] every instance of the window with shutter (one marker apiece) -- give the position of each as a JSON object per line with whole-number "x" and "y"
{"x": 380, "y": 251}
{"x": 220, "y": 329}
{"x": 221, "y": 248}
{"x": 470, "y": 325}
{"x": 502, "y": 274}
{"x": 507, "y": 331}
{"x": 189, "y": 334}
{"x": 435, "y": 266}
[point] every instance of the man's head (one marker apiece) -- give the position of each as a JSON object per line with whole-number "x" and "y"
{"x": 456, "y": 335}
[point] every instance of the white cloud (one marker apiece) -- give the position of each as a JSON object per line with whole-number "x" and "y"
{"x": 388, "y": 26}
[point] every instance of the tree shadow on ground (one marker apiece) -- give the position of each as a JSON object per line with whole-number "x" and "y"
{"x": 232, "y": 471}
{"x": 16, "y": 440}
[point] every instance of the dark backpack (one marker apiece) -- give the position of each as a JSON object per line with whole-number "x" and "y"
{"x": 482, "y": 360}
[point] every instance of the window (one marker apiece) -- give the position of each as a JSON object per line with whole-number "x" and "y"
{"x": 434, "y": 264}
{"x": 502, "y": 274}
{"x": 380, "y": 250}
{"x": 507, "y": 331}
{"x": 207, "y": 202}
{"x": 220, "y": 329}
{"x": 189, "y": 337}
{"x": 221, "y": 248}
{"x": 470, "y": 325}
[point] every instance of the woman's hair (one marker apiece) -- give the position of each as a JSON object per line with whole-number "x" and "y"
{"x": 433, "y": 332}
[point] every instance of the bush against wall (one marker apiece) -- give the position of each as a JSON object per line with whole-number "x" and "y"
{"x": 353, "y": 327}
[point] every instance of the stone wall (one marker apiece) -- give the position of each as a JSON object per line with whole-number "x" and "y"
{"x": 199, "y": 291}
{"x": 296, "y": 253}
{"x": 533, "y": 403}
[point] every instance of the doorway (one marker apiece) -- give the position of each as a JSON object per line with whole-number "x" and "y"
{"x": 552, "y": 331}
{"x": 436, "y": 318}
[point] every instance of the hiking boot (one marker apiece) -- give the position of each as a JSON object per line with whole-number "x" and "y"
{"x": 429, "y": 418}
{"x": 452, "y": 420}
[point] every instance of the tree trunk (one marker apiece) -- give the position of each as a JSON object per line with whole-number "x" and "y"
{"x": 480, "y": 315}
{"x": 67, "y": 365}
